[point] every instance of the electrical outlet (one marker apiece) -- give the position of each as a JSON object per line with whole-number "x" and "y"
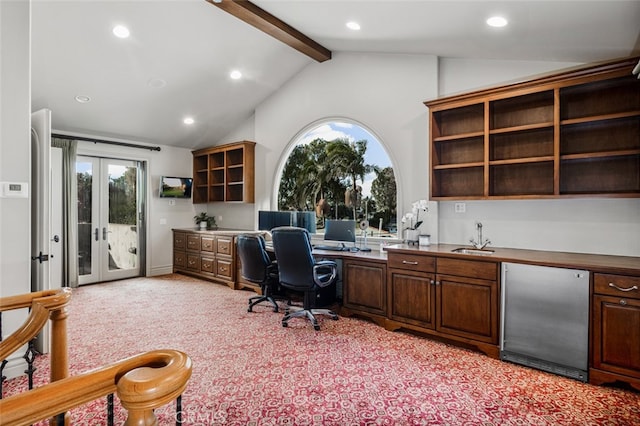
{"x": 172, "y": 202}
{"x": 460, "y": 207}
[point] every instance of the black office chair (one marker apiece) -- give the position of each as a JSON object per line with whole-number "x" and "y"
{"x": 299, "y": 271}
{"x": 258, "y": 268}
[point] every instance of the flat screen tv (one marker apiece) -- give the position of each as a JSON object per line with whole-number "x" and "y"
{"x": 175, "y": 187}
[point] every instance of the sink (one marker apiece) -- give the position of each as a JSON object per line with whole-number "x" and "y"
{"x": 466, "y": 250}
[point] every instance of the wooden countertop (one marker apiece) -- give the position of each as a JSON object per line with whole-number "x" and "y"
{"x": 219, "y": 231}
{"x": 611, "y": 264}
{"x": 628, "y": 265}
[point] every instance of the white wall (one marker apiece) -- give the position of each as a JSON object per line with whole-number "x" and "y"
{"x": 588, "y": 225}
{"x": 385, "y": 93}
{"x": 15, "y": 151}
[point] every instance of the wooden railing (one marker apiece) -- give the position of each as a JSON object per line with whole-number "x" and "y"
{"x": 143, "y": 382}
{"x": 44, "y": 305}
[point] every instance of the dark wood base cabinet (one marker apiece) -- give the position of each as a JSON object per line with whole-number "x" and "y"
{"x": 616, "y": 330}
{"x": 205, "y": 254}
{"x": 364, "y": 290}
{"x": 449, "y": 298}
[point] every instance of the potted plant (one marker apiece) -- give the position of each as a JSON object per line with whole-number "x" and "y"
{"x": 205, "y": 221}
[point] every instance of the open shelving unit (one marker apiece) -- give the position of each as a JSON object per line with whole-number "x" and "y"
{"x": 565, "y": 135}
{"x": 224, "y": 173}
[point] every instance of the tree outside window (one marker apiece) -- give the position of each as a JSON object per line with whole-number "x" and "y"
{"x": 341, "y": 171}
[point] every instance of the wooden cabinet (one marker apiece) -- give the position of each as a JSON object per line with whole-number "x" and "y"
{"x": 467, "y": 296}
{"x": 452, "y": 298}
{"x": 205, "y": 255}
{"x": 616, "y": 330}
{"x": 566, "y": 135}
{"x": 364, "y": 289}
{"x": 224, "y": 173}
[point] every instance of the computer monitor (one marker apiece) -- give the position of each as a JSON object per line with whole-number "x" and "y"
{"x": 267, "y": 220}
{"x": 340, "y": 230}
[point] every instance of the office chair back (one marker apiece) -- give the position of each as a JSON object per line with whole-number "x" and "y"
{"x": 295, "y": 261}
{"x": 253, "y": 258}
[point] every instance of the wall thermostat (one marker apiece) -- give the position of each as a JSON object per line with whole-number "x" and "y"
{"x": 14, "y": 190}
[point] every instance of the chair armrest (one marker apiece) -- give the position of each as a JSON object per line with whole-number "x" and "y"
{"x": 324, "y": 272}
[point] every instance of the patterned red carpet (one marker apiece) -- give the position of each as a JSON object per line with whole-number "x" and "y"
{"x": 248, "y": 370}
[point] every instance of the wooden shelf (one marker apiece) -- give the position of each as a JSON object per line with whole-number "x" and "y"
{"x": 526, "y": 127}
{"x": 459, "y": 136}
{"x": 229, "y": 175}
{"x": 571, "y": 134}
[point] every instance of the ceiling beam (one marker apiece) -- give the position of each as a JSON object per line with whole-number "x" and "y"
{"x": 266, "y": 22}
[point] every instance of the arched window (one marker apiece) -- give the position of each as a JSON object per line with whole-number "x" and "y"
{"x": 340, "y": 170}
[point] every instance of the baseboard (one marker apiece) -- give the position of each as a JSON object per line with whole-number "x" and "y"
{"x": 15, "y": 367}
{"x": 161, "y": 270}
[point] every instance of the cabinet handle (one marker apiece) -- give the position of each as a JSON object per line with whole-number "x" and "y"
{"x": 623, "y": 302}
{"x": 437, "y": 282}
{"x": 635, "y": 287}
{"x": 407, "y": 262}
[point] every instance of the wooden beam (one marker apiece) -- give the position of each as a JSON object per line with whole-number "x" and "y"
{"x": 266, "y": 22}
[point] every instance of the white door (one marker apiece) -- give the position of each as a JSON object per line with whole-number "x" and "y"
{"x": 46, "y": 212}
{"x": 108, "y": 219}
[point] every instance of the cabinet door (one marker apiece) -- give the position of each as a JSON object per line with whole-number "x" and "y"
{"x": 207, "y": 244}
{"x": 467, "y": 307}
{"x": 411, "y": 297}
{"x": 224, "y": 245}
{"x": 616, "y": 335}
{"x": 193, "y": 262}
{"x": 179, "y": 240}
{"x": 364, "y": 287}
{"x": 193, "y": 242}
{"x": 179, "y": 260}
{"x": 207, "y": 265}
{"x": 224, "y": 268}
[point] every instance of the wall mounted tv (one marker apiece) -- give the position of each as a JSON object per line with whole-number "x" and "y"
{"x": 175, "y": 187}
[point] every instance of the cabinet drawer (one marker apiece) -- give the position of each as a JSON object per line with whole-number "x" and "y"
{"x": 206, "y": 265}
{"x": 468, "y": 268}
{"x": 179, "y": 240}
{"x": 224, "y": 268}
{"x": 179, "y": 259}
{"x": 193, "y": 262}
{"x": 412, "y": 262}
{"x": 207, "y": 244}
{"x": 617, "y": 285}
{"x": 224, "y": 245}
{"x": 193, "y": 242}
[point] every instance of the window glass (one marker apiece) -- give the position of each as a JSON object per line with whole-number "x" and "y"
{"x": 339, "y": 170}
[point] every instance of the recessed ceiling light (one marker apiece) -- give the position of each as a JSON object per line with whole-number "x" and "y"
{"x": 188, "y": 120}
{"x": 83, "y": 99}
{"x": 121, "y": 31}
{"x": 497, "y": 21}
{"x": 235, "y": 74}
{"x": 352, "y": 25}
{"x": 156, "y": 83}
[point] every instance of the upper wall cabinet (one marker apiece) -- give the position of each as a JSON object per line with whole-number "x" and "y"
{"x": 567, "y": 135}
{"x": 224, "y": 173}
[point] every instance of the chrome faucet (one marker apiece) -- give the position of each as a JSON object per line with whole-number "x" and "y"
{"x": 480, "y": 244}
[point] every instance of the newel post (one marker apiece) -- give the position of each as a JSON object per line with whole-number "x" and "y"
{"x": 59, "y": 355}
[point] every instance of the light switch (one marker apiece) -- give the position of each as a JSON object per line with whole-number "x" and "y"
{"x": 460, "y": 207}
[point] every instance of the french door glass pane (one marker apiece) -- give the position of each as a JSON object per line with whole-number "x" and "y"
{"x": 84, "y": 172}
{"x": 122, "y": 221}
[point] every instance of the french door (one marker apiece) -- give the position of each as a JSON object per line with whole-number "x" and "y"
{"x": 109, "y": 218}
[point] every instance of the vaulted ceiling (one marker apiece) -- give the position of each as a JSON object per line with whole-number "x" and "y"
{"x": 177, "y": 60}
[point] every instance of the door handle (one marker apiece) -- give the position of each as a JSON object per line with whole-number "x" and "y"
{"x": 104, "y": 233}
{"x": 56, "y": 239}
{"x": 96, "y": 234}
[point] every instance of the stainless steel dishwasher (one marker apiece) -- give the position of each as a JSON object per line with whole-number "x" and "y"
{"x": 545, "y": 318}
